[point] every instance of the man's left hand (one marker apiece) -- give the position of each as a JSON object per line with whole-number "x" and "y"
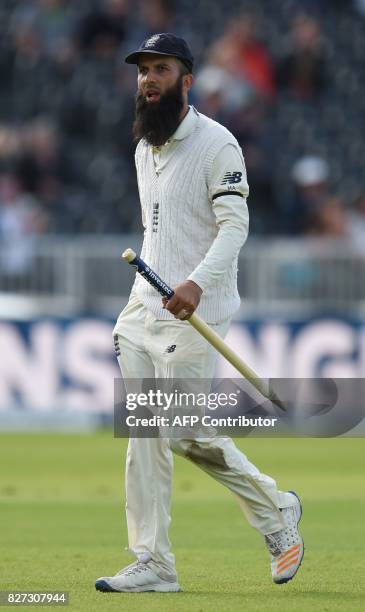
{"x": 184, "y": 301}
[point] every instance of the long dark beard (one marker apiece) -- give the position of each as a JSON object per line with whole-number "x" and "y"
{"x": 157, "y": 121}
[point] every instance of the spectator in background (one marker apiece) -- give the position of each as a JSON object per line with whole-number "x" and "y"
{"x": 52, "y": 20}
{"x": 325, "y": 219}
{"x": 157, "y": 14}
{"x": 152, "y": 16}
{"x": 101, "y": 31}
{"x": 314, "y": 209}
{"x": 328, "y": 218}
{"x": 220, "y": 94}
{"x": 93, "y": 101}
{"x": 11, "y": 146}
{"x": 30, "y": 71}
{"x": 21, "y": 220}
{"x": 240, "y": 53}
{"x": 310, "y": 174}
{"x": 303, "y": 69}
{"x": 43, "y": 161}
{"x": 51, "y": 174}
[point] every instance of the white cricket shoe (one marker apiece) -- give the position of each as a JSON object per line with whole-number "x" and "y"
{"x": 136, "y": 578}
{"x": 286, "y": 546}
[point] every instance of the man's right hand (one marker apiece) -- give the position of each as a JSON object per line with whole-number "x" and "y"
{"x": 185, "y": 300}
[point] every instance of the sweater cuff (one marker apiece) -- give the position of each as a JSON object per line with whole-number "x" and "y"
{"x": 200, "y": 278}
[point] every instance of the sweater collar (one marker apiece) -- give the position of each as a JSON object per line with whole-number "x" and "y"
{"x": 187, "y": 126}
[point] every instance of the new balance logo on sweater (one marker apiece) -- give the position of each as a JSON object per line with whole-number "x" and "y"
{"x": 231, "y": 177}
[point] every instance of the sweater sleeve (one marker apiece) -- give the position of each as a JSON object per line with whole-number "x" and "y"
{"x": 228, "y": 190}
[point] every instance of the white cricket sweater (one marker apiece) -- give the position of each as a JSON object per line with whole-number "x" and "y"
{"x": 193, "y": 197}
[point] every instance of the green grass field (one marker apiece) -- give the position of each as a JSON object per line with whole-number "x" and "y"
{"x": 62, "y": 526}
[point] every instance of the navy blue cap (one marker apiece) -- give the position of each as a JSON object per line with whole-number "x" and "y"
{"x": 164, "y": 44}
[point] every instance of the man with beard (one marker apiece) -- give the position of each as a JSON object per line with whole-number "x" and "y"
{"x": 193, "y": 188}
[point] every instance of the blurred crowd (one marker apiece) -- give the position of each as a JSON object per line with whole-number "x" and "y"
{"x": 286, "y": 81}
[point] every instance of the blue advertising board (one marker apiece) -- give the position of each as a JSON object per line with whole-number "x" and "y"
{"x": 53, "y": 364}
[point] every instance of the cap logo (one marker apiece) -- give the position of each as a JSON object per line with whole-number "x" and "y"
{"x": 152, "y": 41}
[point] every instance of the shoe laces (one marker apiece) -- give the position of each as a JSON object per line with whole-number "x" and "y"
{"x": 273, "y": 543}
{"x": 134, "y": 568}
{"x": 280, "y": 541}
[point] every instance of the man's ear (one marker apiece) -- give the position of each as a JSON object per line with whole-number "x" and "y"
{"x": 188, "y": 81}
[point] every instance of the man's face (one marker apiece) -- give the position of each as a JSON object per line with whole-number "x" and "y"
{"x": 161, "y": 98}
{"x": 156, "y": 75}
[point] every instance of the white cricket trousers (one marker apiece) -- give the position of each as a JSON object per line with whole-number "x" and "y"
{"x": 142, "y": 341}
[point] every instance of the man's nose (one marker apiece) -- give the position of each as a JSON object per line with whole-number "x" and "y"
{"x": 150, "y": 77}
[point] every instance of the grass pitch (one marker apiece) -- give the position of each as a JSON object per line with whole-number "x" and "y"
{"x": 62, "y": 526}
